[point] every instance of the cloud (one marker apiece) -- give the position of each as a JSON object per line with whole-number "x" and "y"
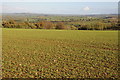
{"x": 11, "y": 9}
{"x": 86, "y": 8}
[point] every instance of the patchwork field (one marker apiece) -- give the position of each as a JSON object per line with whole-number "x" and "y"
{"x": 34, "y": 53}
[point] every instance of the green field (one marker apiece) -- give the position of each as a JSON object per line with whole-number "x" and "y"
{"x": 34, "y": 53}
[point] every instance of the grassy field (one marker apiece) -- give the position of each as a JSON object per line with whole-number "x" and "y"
{"x": 34, "y": 53}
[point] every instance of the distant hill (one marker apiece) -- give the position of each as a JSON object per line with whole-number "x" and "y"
{"x": 36, "y": 14}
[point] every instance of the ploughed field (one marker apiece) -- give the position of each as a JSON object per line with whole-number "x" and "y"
{"x": 34, "y": 53}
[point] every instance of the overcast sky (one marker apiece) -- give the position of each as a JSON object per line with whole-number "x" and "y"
{"x": 61, "y": 7}
{"x": 60, "y": 0}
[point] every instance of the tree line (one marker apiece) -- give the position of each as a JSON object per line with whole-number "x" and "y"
{"x": 60, "y": 25}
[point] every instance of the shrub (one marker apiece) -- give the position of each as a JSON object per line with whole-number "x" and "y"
{"x": 73, "y": 28}
{"x": 60, "y": 25}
